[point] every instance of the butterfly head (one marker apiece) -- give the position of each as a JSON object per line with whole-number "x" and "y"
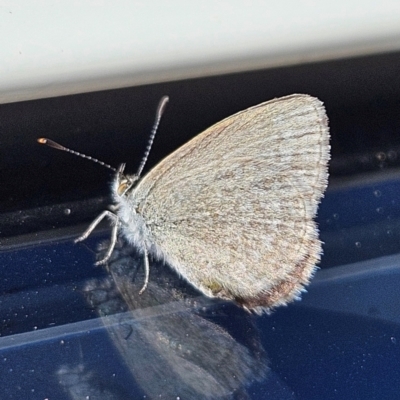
{"x": 123, "y": 183}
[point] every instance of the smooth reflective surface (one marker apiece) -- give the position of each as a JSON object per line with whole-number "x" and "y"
{"x": 72, "y": 330}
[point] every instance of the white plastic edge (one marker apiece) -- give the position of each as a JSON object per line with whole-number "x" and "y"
{"x": 52, "y": 48}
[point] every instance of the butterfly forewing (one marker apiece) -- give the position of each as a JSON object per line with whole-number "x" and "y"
{"x": 233, "y": 209}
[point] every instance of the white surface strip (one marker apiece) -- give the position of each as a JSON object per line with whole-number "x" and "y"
{"x": 51, "y": 48}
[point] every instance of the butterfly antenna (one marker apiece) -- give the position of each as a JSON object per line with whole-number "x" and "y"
{"x": 160, "y": 111}
{"x": 55, "y": 145}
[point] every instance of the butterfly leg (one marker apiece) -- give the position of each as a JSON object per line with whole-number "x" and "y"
{"x": 114, "y": 236}
{"x": 114, "y": 218}
{"x": 93, "y": 225}
{"x": 146, "y": 270}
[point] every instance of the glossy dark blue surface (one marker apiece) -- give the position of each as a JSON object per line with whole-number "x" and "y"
{"x": 342, "y": 341}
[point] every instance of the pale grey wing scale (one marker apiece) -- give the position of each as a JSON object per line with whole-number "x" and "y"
{"x": 232, "y": 210}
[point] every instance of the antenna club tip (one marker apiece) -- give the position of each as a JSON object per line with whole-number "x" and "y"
{"x": 161, "y": 106}
{"x": 41, "y": 140}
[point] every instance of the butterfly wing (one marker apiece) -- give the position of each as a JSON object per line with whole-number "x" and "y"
{"x": 233, "y": 209}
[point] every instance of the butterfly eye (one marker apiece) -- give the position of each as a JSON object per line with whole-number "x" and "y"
{"x": 122, "y": 188}
{"x": 125, "y": 183}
